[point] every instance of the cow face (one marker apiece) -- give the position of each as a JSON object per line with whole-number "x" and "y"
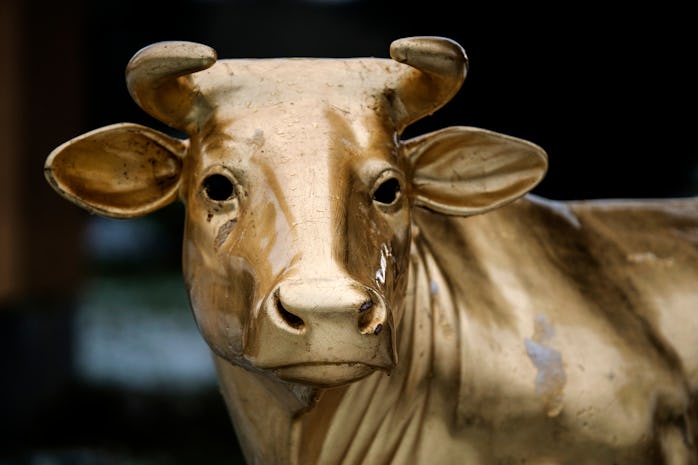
{"x": 298, "y": 192}
{"x": 297, "y": 232}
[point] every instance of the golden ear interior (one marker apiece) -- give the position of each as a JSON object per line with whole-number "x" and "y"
{"x": 119, "y": 171}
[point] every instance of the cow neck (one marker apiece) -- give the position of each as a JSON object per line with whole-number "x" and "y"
{"x": 380, "y": 418}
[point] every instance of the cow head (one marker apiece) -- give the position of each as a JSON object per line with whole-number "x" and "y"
{"x": 298, "y": 192}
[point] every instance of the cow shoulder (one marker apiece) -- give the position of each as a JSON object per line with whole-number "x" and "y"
{"x": 540, "y": 317}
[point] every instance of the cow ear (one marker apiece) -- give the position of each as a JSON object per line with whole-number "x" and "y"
{"x": 465, "y": 171}
{"x": 122, "y": 171}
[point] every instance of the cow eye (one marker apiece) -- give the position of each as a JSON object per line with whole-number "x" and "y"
{"x": 218, "y": 187}
{"x": 388, "y": 192}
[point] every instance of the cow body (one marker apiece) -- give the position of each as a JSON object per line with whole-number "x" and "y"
{"x": 361, "y": 306}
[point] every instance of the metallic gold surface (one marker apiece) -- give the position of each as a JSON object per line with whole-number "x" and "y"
{"x": 360, "y": 306}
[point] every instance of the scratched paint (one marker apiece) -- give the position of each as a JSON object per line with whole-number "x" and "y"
{"x": 257, "y": 139}
{"x": 223, "y": 233}
{"x": 380, "y": 272}
{"x": 551, "y": 378}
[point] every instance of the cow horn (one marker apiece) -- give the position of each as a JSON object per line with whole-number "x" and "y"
{"x": 159, "y": 78}
{"x": 442, "y": 66}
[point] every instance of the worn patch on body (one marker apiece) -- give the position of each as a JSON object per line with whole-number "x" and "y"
{"x": 551, "y": 377}
{"x": 649, "y": 258}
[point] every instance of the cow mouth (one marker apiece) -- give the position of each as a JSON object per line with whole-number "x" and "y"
{"x": 326, "y": 374}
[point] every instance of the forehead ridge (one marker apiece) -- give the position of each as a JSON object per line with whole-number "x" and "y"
{"x": 305, "y": 108}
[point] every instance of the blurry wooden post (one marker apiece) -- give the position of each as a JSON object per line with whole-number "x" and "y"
{"x": 40, "y": 105}
{"x": 9, "y": 158}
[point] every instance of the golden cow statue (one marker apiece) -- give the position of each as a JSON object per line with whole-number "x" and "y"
{"x": 360, "y": 307}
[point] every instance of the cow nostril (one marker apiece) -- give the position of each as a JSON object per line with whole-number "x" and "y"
{"x": 292, "y": 320}
{"x": 370, "y": 318}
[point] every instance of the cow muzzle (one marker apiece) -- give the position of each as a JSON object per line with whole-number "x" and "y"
{"x": 322, "y": 332}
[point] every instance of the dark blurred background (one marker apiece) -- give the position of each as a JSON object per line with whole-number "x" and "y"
{"x": 100, "y": 361}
